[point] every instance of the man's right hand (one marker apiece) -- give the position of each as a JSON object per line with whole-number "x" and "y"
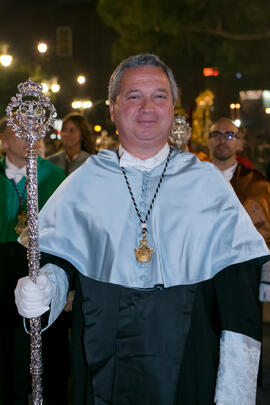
{"x": 33, "y": 299}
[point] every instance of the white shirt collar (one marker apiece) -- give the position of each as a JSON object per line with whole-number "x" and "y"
{"x": 228, "y": 173}
{"x": 13, "y": 172}
{"x": 128, "y": 160}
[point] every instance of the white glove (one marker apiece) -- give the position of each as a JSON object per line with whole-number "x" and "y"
{"x": 32, "y": 299}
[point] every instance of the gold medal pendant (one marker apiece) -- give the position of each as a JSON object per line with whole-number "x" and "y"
{"x": 143, "y": 252}
{"x": 21, "y": 224}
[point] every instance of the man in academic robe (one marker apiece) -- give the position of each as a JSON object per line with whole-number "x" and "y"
{"x": 251, "y": 187}
{"x": 165, "y": 258}
{"x": 14, "y": 342}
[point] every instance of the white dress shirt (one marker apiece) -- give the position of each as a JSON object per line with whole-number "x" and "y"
{"x": 228, "y": 173}
{"x": 128, "y": 160}
{"x": 13, "y": 172}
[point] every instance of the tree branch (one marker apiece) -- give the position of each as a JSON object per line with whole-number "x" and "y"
{"x": 236, "y": 37}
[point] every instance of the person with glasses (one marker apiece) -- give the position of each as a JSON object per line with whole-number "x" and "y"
{"x": 250, "y": 186}
{"x": 224, "y": 142}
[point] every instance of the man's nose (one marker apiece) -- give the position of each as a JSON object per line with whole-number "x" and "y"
{"x": 147, "y": 104}
{"x": 222, "y": 139}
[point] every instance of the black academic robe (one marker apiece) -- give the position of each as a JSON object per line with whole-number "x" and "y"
{"x": 157, "y": 346}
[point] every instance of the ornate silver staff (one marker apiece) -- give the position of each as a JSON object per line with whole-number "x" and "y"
{"x": 180, "y": 133}
{"x": 30, "y": 114}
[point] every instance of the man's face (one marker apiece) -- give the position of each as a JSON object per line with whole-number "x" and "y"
{"x": 13, "y": 146}
{"x": 144, "y": 111}
{"x": 220, "y": 147}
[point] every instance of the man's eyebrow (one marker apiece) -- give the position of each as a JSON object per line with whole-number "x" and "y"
{"x": 133, "y": 91}
{"x": 163, "y": 91}
{"x": 139, "y": 90}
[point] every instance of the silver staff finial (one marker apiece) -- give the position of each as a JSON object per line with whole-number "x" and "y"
{"x": 30, "y": 112}
{"x": 181, "y": 132}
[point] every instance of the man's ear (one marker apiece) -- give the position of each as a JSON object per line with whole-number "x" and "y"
{"x": 111, "y": 109}
{"x": 240, "y": 145}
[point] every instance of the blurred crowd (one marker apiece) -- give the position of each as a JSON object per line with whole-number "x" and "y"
{"x": 57, "y": 159}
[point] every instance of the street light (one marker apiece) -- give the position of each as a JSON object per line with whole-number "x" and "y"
{"x": 81, "y": 105}
{"x": 55, "y": 87}
{"x": 76, "y": 104}
{"x": 50, "y": 85}
{"x": 97, "y": 128}
{"x": 81, "y": 79}
{"x": 235, "y": 113}
{"x": 42, "y": 47}
{"x": 237, "y": 122}
{"x": 5, "y": 58}
{"x": 87, "y": 104}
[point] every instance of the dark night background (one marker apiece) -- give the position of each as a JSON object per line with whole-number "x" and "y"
{"x": 187, "y": 34}
{"x": 91, "y": 48}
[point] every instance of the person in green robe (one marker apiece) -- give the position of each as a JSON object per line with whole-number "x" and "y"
{"x": 14, "y": 342}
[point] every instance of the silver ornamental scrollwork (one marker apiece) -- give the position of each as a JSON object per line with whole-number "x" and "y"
{"x": 180, "y": 132}
{"x": 30, "y": 114}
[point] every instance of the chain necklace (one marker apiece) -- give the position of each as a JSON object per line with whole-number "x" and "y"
{"x": 22, "y": 217}
{"x": 144, "y": 252}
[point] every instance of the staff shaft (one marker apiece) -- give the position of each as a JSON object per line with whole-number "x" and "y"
{"x": 33, "y": 267}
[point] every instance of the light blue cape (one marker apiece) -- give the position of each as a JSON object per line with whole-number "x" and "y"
{"x": 197, "y": 226}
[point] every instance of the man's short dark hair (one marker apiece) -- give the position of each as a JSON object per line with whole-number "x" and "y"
{"x": 147, "y": 59}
